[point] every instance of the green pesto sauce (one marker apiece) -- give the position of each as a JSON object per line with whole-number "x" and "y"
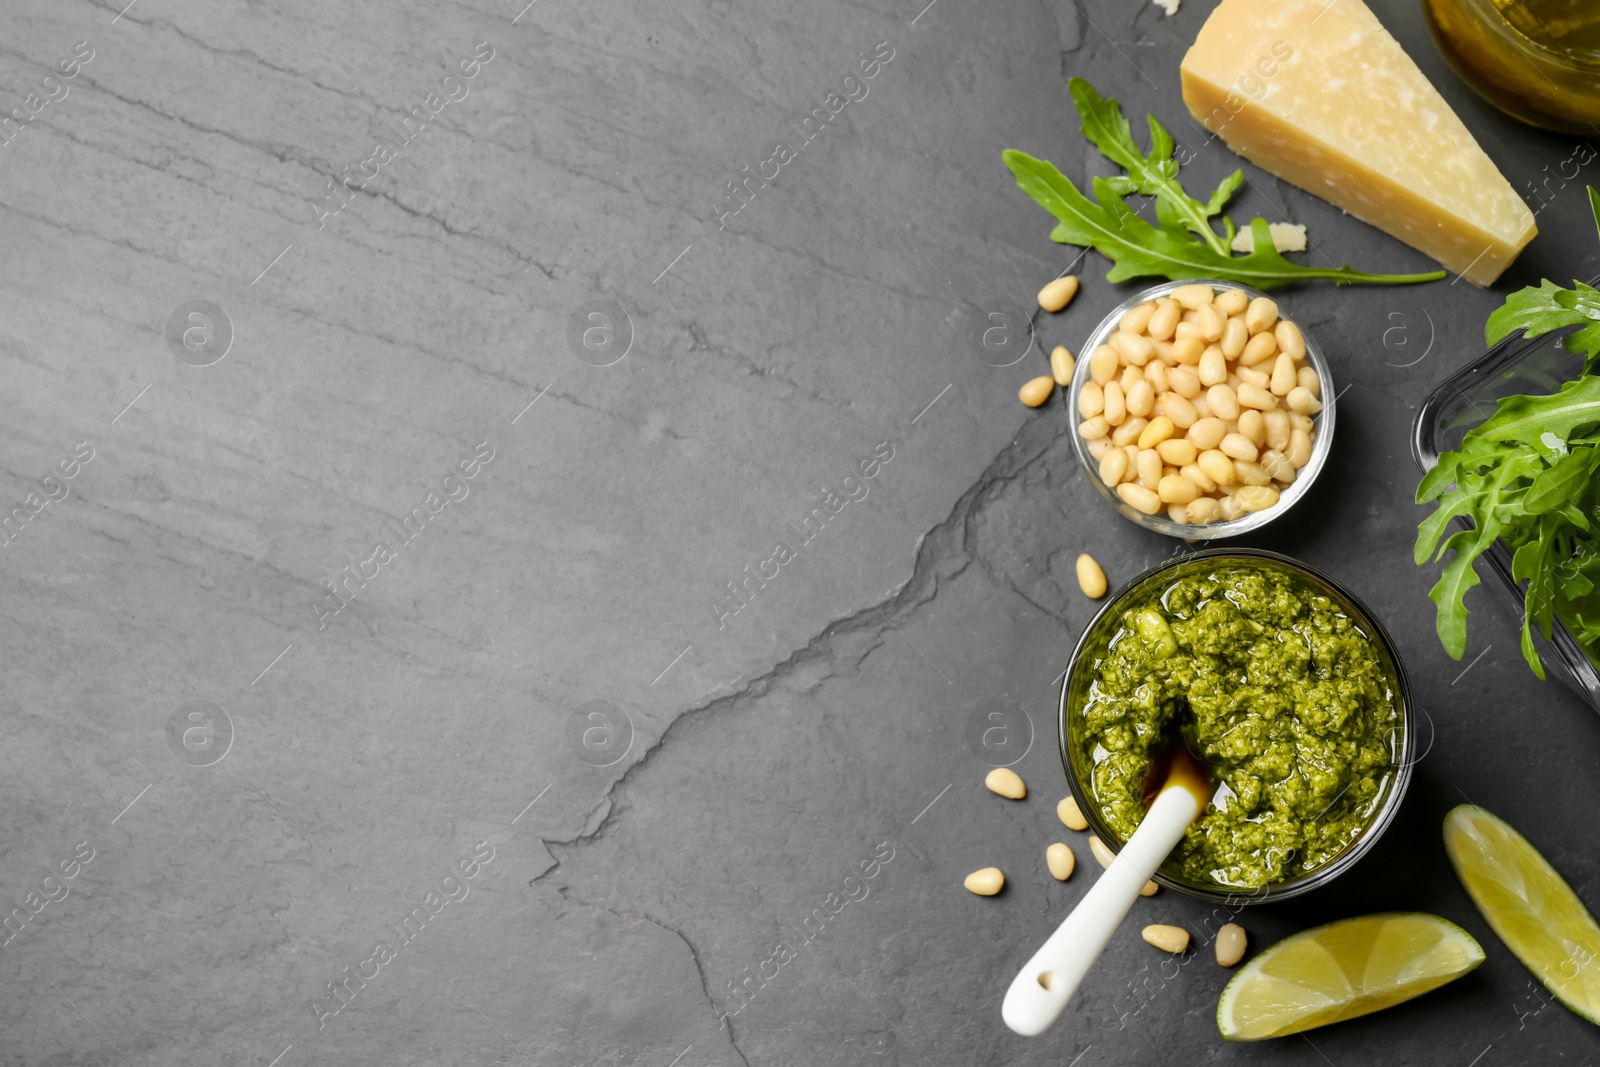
{"x": 1292, "y": 707}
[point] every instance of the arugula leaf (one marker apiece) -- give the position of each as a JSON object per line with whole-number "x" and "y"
{"x": 1154, "y": 173}
{"x": 1184, "y": 242}
{"x": 1527, "y": 476}
{"x": 1138, "y": 249}
{"x": 1540, "y": 309}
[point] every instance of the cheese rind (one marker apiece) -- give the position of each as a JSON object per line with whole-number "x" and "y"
{"x": 1320, "y": 94}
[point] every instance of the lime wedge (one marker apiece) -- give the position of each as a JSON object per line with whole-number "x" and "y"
{"x": 1528, "y": 904}
{"x": 1348, "y": 968}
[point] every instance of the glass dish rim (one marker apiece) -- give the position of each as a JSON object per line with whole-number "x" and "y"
{"x": 1374, "y": 830}
{"x": 1247, "y": 523}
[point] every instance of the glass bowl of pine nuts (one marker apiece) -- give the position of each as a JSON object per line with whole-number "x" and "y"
{"x": 1202, "y": 413}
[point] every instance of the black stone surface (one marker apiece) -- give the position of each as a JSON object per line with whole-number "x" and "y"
{"x": 645, "y": 862}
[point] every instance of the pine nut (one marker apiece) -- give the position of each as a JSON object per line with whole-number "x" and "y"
{"x": 1159, "y": 430}
{"x": 1201, "y": 408}
{"x": 1149, "y": 889}
{"x": 1231, "y": 507}
{"x": 1129, "y": 431}
{"x": 1139, "y": 498}
{"x": 1178, "y": 513}
{"x": 1218, "y": 467}
{"x": 1262, "y": 314}
{"x": 1188, "y": 350}
{"x": 1277, "y": 429}
{"x": 986, "y": 882}
{"x": 1091, "y": 579}
{"x": 1070, "y": 814}
{"x": 1235, "y": 335}
{"x": 1202, "y": 510}
{"x": 1213, "y": 367}
{"x": 1094, "y": 428}
{"x": 1184, "y": 381}
{"x": 1059, "y": 293}
{"x": 1284, "y": 377}
{"x": 1132, "y": 347}
{"x": 1259, "y": 349}
{"x": 1163, "y": 352}
{"x": 1155, "y": 372}
{"x": 1116, "y": 407}
{"x": 1212, "y": 323}
{"x": 1193, "y": 296}
{"x": 1036, "y": 392}
{"x": 1177, "y": 451}
{"x": 1173, "y": 939}
{"x": 1290, "y": 340}
{"x": 1257, "y": 497}
{"x": 1060, "y": 860}
{"x": 1199, "y": 477}
{"x": 1299, "y": 448}
{"x": 1103, "y": 364}
{"x": 1097, "y": 449}
{"x": 1207, "y": 433}
{"x": 1148, "y": 465}
{"x": 1232, "y": 301}
{"x": 1130, "y": 375}
{"x": 1302, "y": 423}
{"x": 1253, "y": 426}
{"x": 1102, "y": 854}
{"x": 1231, "y": 942}
{"x": 1239, "y": 446}
{"x": 1254, "y": 375}
{"x": 1136, "y": 318}
{"x": 1253, "y": 396}
{"x": 1140, "y": 398}
{"x": 1189, "y": 331}
{"x": 1062, "y": 365}
{"x": 1006, "y": 782}
{"x": 1224, "y": 401}
{"x": 1277, "y": 466}
{"x": 1301, "y": 402}
{"x": 1250, "y": 473}
{"x": 1164, "y": 321}
{"x": 1176, "y": 489}
{"x": 1114, "y": 467}
{"x": 1307, "y": 379}
{"x": 1091, "y": 400}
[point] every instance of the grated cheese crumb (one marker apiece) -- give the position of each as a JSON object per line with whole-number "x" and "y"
{"x": 1286, "y": 237}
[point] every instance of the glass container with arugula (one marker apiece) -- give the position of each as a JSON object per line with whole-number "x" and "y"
{"x": 1511, "y": 446}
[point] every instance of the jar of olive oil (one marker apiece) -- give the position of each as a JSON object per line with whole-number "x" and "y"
{"x": 1537, "y": 60}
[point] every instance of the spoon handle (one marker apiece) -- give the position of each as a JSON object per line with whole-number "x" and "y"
{"x": 1040, "y": 993}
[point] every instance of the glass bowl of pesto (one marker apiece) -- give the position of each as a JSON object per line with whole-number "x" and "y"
{"x": 1321, "y": 438}
{"x": 1282, "y": 681}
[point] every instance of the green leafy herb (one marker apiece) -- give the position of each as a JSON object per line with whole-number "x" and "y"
{"x": 1527, "y": 476}
{"x": 1184, "y": 242}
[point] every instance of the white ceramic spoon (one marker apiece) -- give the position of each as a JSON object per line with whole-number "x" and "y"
{"x": 1040, "y": 993}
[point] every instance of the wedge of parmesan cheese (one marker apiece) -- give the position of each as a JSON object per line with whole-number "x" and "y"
{"x": 1319, "y": 93}
{"x": 1286, "y": 237}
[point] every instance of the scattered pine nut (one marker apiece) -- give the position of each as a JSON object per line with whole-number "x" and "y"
{"x": 1037, "y": 391}
{"x": 1102, "y": 854}
{"x": 1059, "y": 293}
{"x": 1061, "y": 861}
{"x": 1006, "y": 782}
{"x": 1062, "y": 365}
{"x": 1150, "y": 889}
{"x": 1231, "y": 943}
{"x": 1070, "y": 814}
{"x": 986, "y": 882}
{"x": 1173, "y": 939}
{"x": 1091, "y": 579}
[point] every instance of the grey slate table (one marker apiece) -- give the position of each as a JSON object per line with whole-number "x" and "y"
{"x": 591, "y": 814}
